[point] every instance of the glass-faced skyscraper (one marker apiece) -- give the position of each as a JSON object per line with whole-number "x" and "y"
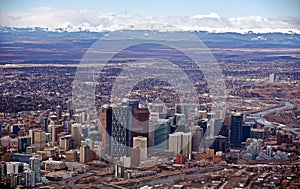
{"x": 236, "y": 129}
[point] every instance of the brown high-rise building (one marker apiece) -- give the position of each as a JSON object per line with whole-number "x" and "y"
{"x": 84, "y": 154}
{"x": 76, "y": 130}
{"x": 140, "y": 125}
{"x": 106, "y": 129}
{"x": 197, "y": 138}
{"x": 135, "y": 157}
{"x": 39, "y": 139}
{"x": 54, "y": 131}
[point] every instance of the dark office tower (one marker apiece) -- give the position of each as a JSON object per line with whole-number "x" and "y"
{"x": 236, "y": 129}
{"x": 23, "y": 142}
{"x": 58, "y": 112}
{"x": 220, "y": 143}
{"x": 246, "y": 130}
{"x": 45, "y": 124}
{"x": 120, "y": 131}
{"x": 140, "y": 123}
{"x": 203, "y": 124}
{"x": 224, "y": 131}
{"x": 197, "y": 138}
{"x": 106, "y": 130}
{"x": 0, "y": 130}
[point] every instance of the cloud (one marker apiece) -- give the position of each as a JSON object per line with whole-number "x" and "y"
{"x": 86, "y": 20}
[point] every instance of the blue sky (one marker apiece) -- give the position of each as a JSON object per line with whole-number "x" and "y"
{"x": 225, "y": 8}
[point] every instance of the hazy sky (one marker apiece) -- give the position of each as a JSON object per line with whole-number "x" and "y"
{"x": 224, "y": 8}
{"x": 189, "y": 15}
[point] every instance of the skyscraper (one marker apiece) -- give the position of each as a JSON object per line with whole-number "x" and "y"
{"x": 58, "y": 112}
{"x": 35, "y": 166}
{"x": 236, "y": 129}
{"x": 197, "y": 138}
{"x": 0, "y": 130}
{"x": 180, "y": 142}
{"x": 23, "y": 142}
{"x": 140, "y": 125}
{"x": 106, "y": 130}
{"x": 120, "y": 131}
{"x": 141, "y": 143}
{"x": 38, "y": 138}
{"x": 76, "y": 133}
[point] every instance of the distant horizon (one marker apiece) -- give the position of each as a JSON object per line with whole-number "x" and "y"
{"x": 227, "y": 9}
{"x": 259, "y": 16}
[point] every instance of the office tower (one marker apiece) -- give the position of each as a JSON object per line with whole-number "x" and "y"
{"x": 15, "y": 180}
{"x": 23, "y": 142}
{"x": 141, "y": 143}
{"x": 65, "y": 142}
{"x": 106, "y": 129}
{"x": 236, "y": 129}
{"x": 54, "y": 132}
{"x": 154, "y": 116}
{"x": 224, "y": 131}
{"x": 246, "y": 130}
{"x": 84, "y": 154}
{"x": 29, "y": 178}
{"x": 219, "y": 144}
{"x": 85, "y": 131}
{"x": 0, "y": 130}
{"x": 187, "y": 144}
{"x": 161, "y": 134}
{"x": 272, "y": 78}
{"x": 12, "y": 168}
{"x": 35, "y": 166}
{"x": 120, "y": 132}
{"x": 136, "y": 156}
{"x": 38, "y": 138}
{"x": 180, "y": 142}
{"x": 140, "y": 125}
{"x": 14, "y": 129}
{"x": 203, "y": 124}
{"x": 58, "y": 112}
{"x": 197, "y": 138}
{"x": 76, "y": 134}
{"x": 31, "y": 135}
{"x": 175, "y": 142}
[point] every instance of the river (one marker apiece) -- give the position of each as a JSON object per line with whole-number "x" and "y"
{"x": 258, "y": 117}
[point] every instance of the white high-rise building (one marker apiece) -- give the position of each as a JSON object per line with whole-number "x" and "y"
{"x": 272, "y": 78}
{"x": 12, "y": 167}
{"x": 141, "y": 143}
{"x": 180, "y": 142}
